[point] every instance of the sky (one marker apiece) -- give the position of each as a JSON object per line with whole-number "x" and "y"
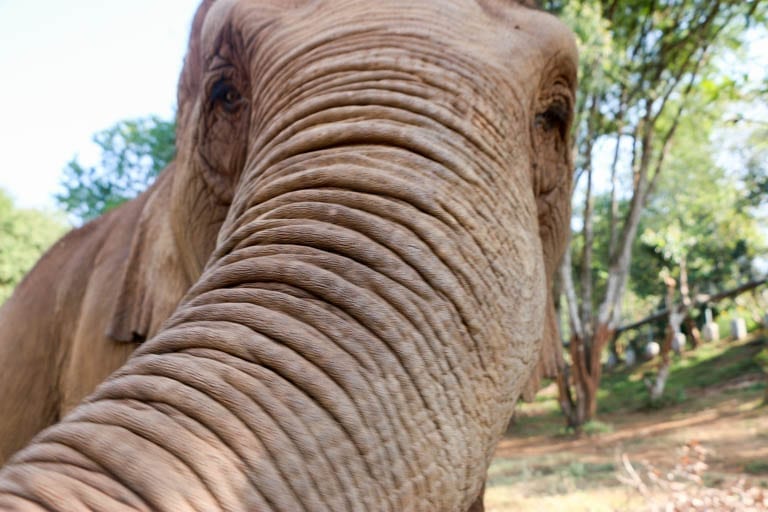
{"x": 69, "y": 69}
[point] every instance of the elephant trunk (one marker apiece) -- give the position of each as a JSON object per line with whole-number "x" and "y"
{"x": 371, "y": 312}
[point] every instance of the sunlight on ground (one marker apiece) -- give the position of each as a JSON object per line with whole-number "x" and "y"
{"x": 538, "y": 468}
{"x": 502, "y": 499}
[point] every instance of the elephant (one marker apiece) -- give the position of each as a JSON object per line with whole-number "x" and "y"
{"x": 89, "y": 302}
{"x": 83, "y": 309}
{"x": 360, "y": 229}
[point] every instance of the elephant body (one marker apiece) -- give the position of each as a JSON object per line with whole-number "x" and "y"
{"x": 72, "y": 320}
{"x": 355, "y": 246}
{"x": 43, "y": 331}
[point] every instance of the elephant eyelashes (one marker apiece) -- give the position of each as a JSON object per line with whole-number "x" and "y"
{"x": 225, "y": 95}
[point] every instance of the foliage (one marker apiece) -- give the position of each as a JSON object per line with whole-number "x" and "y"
{"x": 756, "y": 467}
{"x": 697, "y": 215}
{"x": 133, "y": 152}
{"x": 650, "y": 72}
{"x": 761, "y": 360}
{"x": 24, "y": 236}
{"x": 754, "y": 159}
{"x": 665, "y": 88}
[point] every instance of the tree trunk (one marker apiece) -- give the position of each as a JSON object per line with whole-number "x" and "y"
{"x": 656, "y": 389}
{"x": 602, "y": 337}
{"x": 565, "y": 397}
{"x": 694, "y": 331}
{"x": 614, "y": 350}
{"x": 698, "y": 300}
{"x": 676, "y": 316}
{"x": 587, "y": 371}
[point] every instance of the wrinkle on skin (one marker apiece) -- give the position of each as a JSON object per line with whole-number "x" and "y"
{"x": 375, "y": 299}
{"x": 218, "y": 15}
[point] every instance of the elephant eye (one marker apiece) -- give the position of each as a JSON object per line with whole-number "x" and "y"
{"x": 554, "y": 118}
{"x": 225, "y": 95}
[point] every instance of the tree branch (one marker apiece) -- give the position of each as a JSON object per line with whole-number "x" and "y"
{"x": 700, "y": 299}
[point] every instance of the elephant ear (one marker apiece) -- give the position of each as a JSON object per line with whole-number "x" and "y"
{"x": 153, "y": 281}
{"x": 551, "y": 358}
{"x": 190, "y": 80}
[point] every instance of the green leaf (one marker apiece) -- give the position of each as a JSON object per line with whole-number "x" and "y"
{"x": 133, "y": 153}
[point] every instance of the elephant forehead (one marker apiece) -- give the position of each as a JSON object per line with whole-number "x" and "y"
{"x": 215, "y": 19}
{"x": 221, "y": 11}
{"x": 500, "y": 32}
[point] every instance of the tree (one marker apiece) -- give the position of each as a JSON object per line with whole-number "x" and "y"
{"x": 24, "y": 236}
{"x": 755, "y": 154}
{"x": 662, "y": 54}
{"x": 762, "y": 360}
{"x": 133, "y": 152}
{"x": 702, "y": 236}
{"x": 750, "y": 153}
{"x": 698, "y": 211}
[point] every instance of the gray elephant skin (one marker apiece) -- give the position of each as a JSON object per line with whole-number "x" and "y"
{"x": 355, "y": 242}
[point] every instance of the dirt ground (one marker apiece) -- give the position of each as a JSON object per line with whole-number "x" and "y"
{"x": 539, "y": 469}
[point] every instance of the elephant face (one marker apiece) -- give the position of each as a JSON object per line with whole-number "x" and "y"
{"x": 374, "y": 195}
{"x": 494, "y": 65}
{"x": 385, "y": 130}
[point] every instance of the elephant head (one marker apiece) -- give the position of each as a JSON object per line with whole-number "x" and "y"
{"x": 371, "y": 198}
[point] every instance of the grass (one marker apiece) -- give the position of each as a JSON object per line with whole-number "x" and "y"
{"x": 595, "y": 427}
{"x": 711, "y": 365}
{"x": 713, "y": 396}
{"x": 756, "y": 467}
{"x": 506, "y": 471}
{"x": 590, "y": 428}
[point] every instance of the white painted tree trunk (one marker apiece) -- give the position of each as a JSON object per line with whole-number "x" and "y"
{"x": 676, "y": 316}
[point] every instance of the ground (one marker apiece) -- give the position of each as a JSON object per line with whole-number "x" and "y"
{"x": 714, "y": 403}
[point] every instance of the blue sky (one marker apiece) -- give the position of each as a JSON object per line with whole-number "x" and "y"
{"x": 71, "y": 68}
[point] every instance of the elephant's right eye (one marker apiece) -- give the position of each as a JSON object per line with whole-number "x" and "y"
{"x": 224, "y": 94}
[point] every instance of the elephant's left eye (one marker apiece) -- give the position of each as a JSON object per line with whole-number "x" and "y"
{"x": 555, "y": 117}
{"x": 225, "y": 94}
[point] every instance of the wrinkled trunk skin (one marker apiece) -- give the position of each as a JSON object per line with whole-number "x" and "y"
{"x": 337, "y": 325}
{"x": 478, "y": 505}
{"x": 377, "y": 297}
